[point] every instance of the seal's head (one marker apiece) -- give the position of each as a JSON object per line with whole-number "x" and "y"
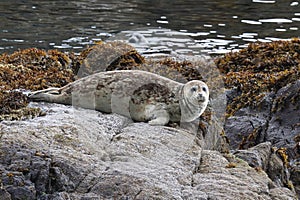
{"x": 195, "y": 98}
{"x": 196, "y": 92}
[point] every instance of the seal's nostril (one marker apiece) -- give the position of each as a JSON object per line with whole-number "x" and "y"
{"x": 201, "y": 97}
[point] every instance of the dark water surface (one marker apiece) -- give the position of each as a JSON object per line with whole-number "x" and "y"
{"x": 218, "y": 26}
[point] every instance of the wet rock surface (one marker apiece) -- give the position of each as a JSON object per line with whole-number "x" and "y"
{"x": 77, "y": 153}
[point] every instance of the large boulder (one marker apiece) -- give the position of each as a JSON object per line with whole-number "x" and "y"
{"x": 82, "y": 154}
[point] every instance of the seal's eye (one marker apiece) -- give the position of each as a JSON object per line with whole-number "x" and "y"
{"x": 204, "y": 89}
{"x": 194, "y": 89}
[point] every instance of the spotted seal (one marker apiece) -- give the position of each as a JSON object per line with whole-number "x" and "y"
{"x": 141, "y": 95}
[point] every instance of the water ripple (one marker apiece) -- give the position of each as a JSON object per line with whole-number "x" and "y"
{"x": 218, "y": 26}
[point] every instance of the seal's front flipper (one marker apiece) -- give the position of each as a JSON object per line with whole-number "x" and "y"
{"x": 159, "y": 118}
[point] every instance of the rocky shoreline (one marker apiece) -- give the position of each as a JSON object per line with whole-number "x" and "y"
{"x": 50, "y": 151}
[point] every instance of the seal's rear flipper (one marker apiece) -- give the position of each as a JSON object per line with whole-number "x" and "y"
{"x": 44, "y": 95}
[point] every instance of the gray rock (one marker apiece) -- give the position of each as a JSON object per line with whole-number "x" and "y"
{"x": 220, "y": 181}
{"x": 284, "y": 122}
{"x": 248, "y": 126}
{"x": 280, "y": 193}
{"x": 276, "y": 120}
{"x": 4, "y": 195}
{"x": 295, "y": 175}
{"x": 265, "y": 158}
{"x": 83, "y": 154}
{"x": 257, "y": 156}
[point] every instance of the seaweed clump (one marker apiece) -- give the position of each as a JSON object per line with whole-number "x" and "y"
{"x": 31, "y": 69}
{"x": 181, "y": 71}
{"x": 108, "y": 56}
{"x": 12, "y": 101}
{"x": 13, "y": 106}
{"x": 36, "y": 69}
{"x": 259, "y": 69}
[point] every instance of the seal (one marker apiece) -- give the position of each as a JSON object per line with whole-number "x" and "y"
{"x": 140, "y": 95}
